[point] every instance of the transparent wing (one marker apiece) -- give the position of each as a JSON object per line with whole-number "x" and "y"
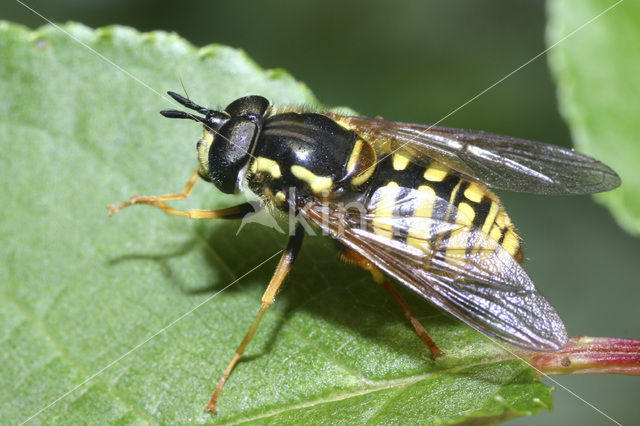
{"x": 497, "y": 161}
{"x": 460, "y": 269}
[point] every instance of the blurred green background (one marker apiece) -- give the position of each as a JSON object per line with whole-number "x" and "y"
{"x": 417, "y": 62}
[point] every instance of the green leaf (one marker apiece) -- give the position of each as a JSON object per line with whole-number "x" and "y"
{"x": 101, "y": 316}
{"x": 597, "y": 70}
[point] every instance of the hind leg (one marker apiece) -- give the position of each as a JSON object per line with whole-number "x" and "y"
{"x": 352, "y": 256}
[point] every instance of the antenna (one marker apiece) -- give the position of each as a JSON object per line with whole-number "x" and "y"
{"x": 212, "y": 119}
{"x": 172, "y": 113}
{"x": 189, "y": 104}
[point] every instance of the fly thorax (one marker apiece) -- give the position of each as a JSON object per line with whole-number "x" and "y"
{"x": 311, "y": 153}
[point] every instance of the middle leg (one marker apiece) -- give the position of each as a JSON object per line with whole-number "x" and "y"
{"x": 283, "y": 268}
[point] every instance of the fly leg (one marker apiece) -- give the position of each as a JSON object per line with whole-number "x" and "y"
{"x": 356, "y": 258}
{"x": 283, "y": 268}
{"x": 158, "y": 201}
{"x": 386, "y": 284}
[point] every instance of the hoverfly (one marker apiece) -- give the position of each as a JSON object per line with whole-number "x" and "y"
{"x": 406, "y": 200}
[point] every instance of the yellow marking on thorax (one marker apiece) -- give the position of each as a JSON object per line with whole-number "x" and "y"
{"x": 362, "y": 162}
{"x": 280, "y": 197}
{"x": 355, "y": 155}
{"x": 342, "y": 121}
{"x": 315, "y": 182}
{"x": 436, "y": 172}
{"x": 384, "y": 210}
{"x": 267, "y": 165}
{"x": 420, "y": 232}
{"x": 359, "y": 180}
{"x": 400, "y": 162}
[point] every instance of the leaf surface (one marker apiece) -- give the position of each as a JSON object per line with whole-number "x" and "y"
{"x": 124, "y": 319}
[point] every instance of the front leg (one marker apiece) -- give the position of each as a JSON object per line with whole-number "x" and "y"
{"x": 158, "y": 201}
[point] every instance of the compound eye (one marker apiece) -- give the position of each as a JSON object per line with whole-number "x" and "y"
{"x": 249, "y": 105}
{"x": 230, "y": 152}
{"x": 362, "y": 163}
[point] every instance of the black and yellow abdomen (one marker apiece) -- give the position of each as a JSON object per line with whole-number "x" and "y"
{"x": 413, "y": 204}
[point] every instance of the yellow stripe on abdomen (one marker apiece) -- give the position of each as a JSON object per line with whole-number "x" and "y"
{"x": 474, "y": 193}
{"x": 400, "y": 161}
{"x": 491, "y": 217}
{"x": 507, "y": 238}
{"x": 511, "y": 243}
{"x": 458, "y": 243}
{"x": 384, "y": 207}
{"x": 436, "y": 172}
{"x": 419, "y": 233}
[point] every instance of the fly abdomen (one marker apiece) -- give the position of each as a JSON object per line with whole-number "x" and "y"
{"x": 427, "y": 207}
